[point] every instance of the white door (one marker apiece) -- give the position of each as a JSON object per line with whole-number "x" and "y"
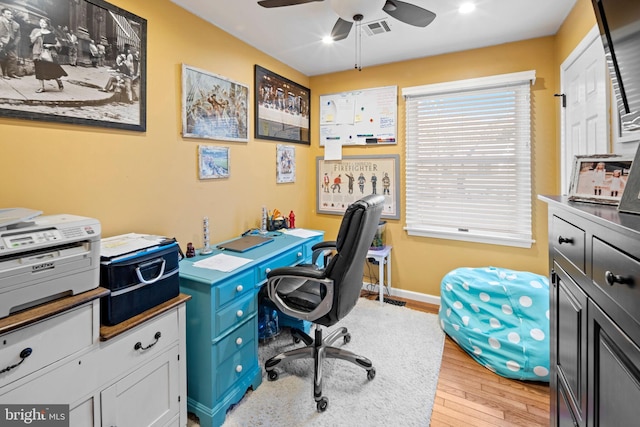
{"x": 585, "y": 84}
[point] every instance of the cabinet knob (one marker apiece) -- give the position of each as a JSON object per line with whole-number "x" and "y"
{"x": 299, "y": 254}
{"x": 239, "y": 368}
{"x": 239, "y": 288}
{"x": 239, "y": 313}
{"x": 267, "y": 270}
{"x": 239, "y": 341}
{"x": 562, "y": 240}
{"x": 23, "y": 355}
{"x": 612, "y": 279}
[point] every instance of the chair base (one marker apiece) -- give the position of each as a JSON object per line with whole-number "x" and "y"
{"x": 319, "y": 349}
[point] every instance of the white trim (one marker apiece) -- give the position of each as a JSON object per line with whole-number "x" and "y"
{"x": 414, "y": 296}
{"x": 476, "y": 83}
{"x": 468, "y": 237}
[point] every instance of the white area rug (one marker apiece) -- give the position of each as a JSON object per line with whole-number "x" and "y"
{"x": 405, "y": 347}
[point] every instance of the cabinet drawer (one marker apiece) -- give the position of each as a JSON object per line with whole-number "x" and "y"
{"x": 138, "y": 345}
{"x": 235, "y": 314}
{"x": 292, "y": 257}
{"x": 234, "y": 368}
{"x": 234, "y": 288}
{"x": 237, "y": 339}
{"x": 618, "y": 275}
{"x": 49, "y": 340}
{"x": 568, "y": 241}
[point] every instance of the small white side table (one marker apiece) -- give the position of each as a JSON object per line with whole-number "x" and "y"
{"x": 382, "y": 256}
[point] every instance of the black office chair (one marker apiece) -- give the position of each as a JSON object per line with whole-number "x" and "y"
{"x": 326, "y": 295}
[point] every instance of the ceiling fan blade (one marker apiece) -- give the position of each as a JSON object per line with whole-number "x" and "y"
{"x": 280, "y": 3}
{"x": 341, "y": 29}
{"x": 409, "y": 13}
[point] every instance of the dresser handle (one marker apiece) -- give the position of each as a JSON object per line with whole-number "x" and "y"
{"x": 562, "y": 240}
{"x": 239, "y": 313}
{"x": 612, "y": 279}
{"x": 139, "y": 346}
{"x": 239, "y": 341}
{"x": 23, "y": 355}
{"x": 239, "y": 288}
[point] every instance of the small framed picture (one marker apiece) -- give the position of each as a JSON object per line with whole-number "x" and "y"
{"x": 285, "y": 164}
{"x": 599, "y": 178}
{"x": 213, "y": 162}
{"x": 630, "y": 201}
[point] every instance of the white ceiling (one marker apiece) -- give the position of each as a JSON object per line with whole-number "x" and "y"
{"x": 293, "y": 34}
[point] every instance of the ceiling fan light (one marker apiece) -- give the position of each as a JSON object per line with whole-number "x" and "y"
{"x": 347, "y": 9}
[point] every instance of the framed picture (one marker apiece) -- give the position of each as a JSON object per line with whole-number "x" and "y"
{"x": 89, "y": 66}
{"x": 599, "y": 178}
{"x": 213, "y": 162}
{"x": 282, "y": 108}
{"x": 285, "y": 164}
{"x": 630, "y": 201}
{"x": 213, "y": 106}
{"x": 342, "y": 182}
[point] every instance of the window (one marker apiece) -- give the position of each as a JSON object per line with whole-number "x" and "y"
{"x": 468, "y": 160}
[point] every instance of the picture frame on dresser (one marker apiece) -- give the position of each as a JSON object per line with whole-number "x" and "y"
{"x": 630, "y": 201}
{"x": 599, "y": 178}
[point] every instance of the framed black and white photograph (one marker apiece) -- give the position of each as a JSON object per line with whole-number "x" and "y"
{"x": 213, "y": 106}
{"x": 213, "y": 162}
{"x": 599, "y": 178}
{"x": 74, "y": 61}
{"x": 282, "y": 108}
{"x": 343, "y": 182}
{"x": 630, "y": 201}
{"x": 285, "y": 164}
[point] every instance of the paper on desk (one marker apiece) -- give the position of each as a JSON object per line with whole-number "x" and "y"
{"x": 301, "y": 232}
{"x": 127, "y": 243}
{"x": 222, "y": 262}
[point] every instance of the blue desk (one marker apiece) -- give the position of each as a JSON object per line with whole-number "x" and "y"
{"x": 222, "y": 324}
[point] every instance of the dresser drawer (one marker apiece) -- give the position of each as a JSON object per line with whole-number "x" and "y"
{"x": 292, "y": 257}
{"x": 234, "y": 368}
{"x": 119, "y": 354}
{"x": 49, "y": 340}
{"x": 236, "y": 313}
{"x": 237, "y": 339}
{"x": 618, "y": 275}
{"x": 568, "y": 241}
{"x": 234, "y": 288}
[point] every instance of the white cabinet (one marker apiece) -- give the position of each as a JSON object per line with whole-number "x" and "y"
{"x": 132, "y": 374}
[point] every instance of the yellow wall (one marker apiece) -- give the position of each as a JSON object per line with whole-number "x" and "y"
{"x": 147, "y": 182}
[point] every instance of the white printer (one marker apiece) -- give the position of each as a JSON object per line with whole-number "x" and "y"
{"x": 43, "y": 258}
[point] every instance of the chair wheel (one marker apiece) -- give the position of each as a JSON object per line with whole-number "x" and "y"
{"x": 347, "y": 338}
{"x": 371, "y": 374}
{"x": 322, "y": 404}
{"x": 296, "y": 340}
{"x": 272, "y": 375}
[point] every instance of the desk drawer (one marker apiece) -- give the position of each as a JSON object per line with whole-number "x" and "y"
{"x": 236, "y": 340}
{"x": 234, "y": 288}
{"x": 49, "y": 340}
{"x": 618, "y": 275}
{"x": 292, "y": 257}
{"x": 307, "y": 248}
{"x": 235, "y": 314}
{"x": 232, "y": 370}
{"x": 568, "y": 241}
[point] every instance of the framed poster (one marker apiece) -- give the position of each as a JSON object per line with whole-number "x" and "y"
{"x": 282, "y": 108}
{"x": 342, "y": 182}
{"x": 285, "y": 164}
{"x": 213, "y": 106}
{"x": 213, "y": 162}
{"x": 75, "y": 61}
{"x": 599, "y": 178}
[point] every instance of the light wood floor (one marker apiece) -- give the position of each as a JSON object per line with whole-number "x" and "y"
{"x": 470, "y": 395}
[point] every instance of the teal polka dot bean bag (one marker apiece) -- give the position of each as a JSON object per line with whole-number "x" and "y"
{"x": 500, "y": 317}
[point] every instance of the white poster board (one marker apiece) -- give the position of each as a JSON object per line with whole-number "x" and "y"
{"x": 360, "y": 117}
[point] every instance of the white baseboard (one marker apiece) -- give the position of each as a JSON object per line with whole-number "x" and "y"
{"x": 415, "y": 296}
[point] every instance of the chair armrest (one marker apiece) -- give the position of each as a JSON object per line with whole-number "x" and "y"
{"x": 302, "y": 271}
{"x": 329, "y": 244}
{"x": 291, "y": 282}
{"x": 322, "y": 248}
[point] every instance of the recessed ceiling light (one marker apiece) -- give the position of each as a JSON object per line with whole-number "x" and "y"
{"x": 327, "y": 39}
{"x": 466, "y": 8}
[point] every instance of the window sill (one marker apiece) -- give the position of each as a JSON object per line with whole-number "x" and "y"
{"x": 473, "y": 238}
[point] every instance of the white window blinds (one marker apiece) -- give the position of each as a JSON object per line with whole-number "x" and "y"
{"x": 468, "y": 160}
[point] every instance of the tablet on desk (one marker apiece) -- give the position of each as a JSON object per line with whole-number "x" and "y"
{"x": 244, "y": 243}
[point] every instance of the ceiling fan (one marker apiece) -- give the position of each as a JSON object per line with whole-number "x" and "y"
{"x": 350, "y": 11}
